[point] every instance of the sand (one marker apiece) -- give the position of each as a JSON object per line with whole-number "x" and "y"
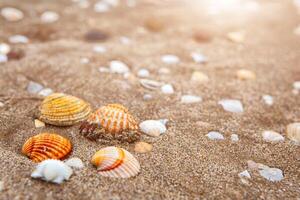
{"x": 184, "y": 163}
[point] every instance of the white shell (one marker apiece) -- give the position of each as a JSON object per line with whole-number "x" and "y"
{"x": 101, "y": 7}
{"x": 75, "y": 163}
{"x": 118, "y": 67}
{"x": 272, "y": 136}
{"x": 12, "y": 14}
{"x": 293, "y": 132}
{"x": 3, "y": 58}
{"x": 147, "y": 97}
{"x": 170, "y": 59}
{"x": 244, "y": 174}
{"x": 296, "y": 85}
{"x": 49, "y": 17}
{"x": 198, "y": 58}
{"x": 125, "y": 40}
{"x": 190, "y": 99}
{"x": 150, "y": 84}
{"x": 15, "y": 39}
{"x": 34, "y": 87}
{"x": 199, "y": 77}
{"x": 234, "y": 137}
{"x": 271, "y": 174}
{"x": 153, "y": 127}
{"x": 231, "y": 105}
{"x": 54, "y": 171}
{"x": 213, "y": 135}
{"x": 4, "y": 48}
{"x": 99, "y": 49}
{"x": 268, "y": 99}
{"x": 45, "y": 92}
{"x": 167, "y": 89}
{"x": 143, "y": 73}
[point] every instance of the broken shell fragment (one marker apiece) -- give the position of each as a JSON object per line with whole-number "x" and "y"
{"x": 75, "y": 163}
{"x": 115, "y": 162}
{"x": 46, "y": 146}
{"x": 153, "y": 128}
{"x": 142, "y": 147}
{"x": 232, "y": 105}
{"x": 63, "y": 110}
{"x": 293, "y": 132}
{"x": 244, "y": 74}
{"x": 12, "y": 14}
{"x": 150, "y": 84}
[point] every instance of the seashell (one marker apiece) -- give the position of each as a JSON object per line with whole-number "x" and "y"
{"x": 63, "y": 110}
{"x": 12, "y": 14}
{"x": 269, "y": 100}
{"x": 54, "y": 171}
{"x": 296, "y": 85}
{"x": 46, "y": 146}
{"x": 198, "y": 58}
{"x": 150, "y": 84}
{"x": 118, "y": 67}
{"x": 199, "y": 77}
{"x": 153, "y": 127}
{"x": 38, "y": 123}
{"x": 272, "y": 136}
{"x": 170, "y": 59}
{"x": 244, "y": 74}
{"x": 49, "y": 17}
{"x": 187, "y": 99}
{"x": 214, "y": 135}
{"x": 234, "y": 137}
{"x": 16, "y": 39}
{"x": 143, "y": 73}
{"x": 4, "y": 48}
{"x": 113, "y": 119}
{"x": 271, "y": 174}
{"x": 3, "y": 58}
{"x": 167, "y": 89}
{"x": 34, "y": 87}
{"x": 99, "y": 49}
{"x": 231, "y": 105}
{"x": 75, "y": 163}
{"x": 45, "y": 92}
{"x": 115, "y": 162}
{"x": 125, "y": 40}
{"x": 293, "y": 132}
{"x": 245, "y": 174}
{"x": 142, "y": 147}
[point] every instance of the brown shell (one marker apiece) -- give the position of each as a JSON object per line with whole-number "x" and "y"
{"x": 46, "y": 146}
{"x": 63, "y": 110}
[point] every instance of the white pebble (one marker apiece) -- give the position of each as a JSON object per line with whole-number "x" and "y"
{"x": 143, "y": 73}
{"x": 231, "y": 105}
{"x": 38, "y": 123}
{"x": 296, "y": 85}
{"x": 1, "y": 104}
{"x": 99, "y": 49}
{"x": 12, "y": 14}
{"x": 4, "y": 48}
{"x": 34, "y": 87}
{"x": 75, "y": 163}
{"x": 3, "y": 58}
{"x": 46, "y": 92}
{"x": 147, "y": 97}
{"x": 170, "y": 59}
{"x": 118, "y": 67}
{"x": 103, "y": 69}
{"x": 268, "y": 99}
{"x": 49, "y": 17}
{"x": 101, "y": 7}
{"x": 54, "y": 171}
{"x": 271, "y": 174}
{"x": 213, "y": 135}
{"x": 272, "y": 136}
{"x": 16, "y": 39}
{"x": 153, "y": 127}
{"x": 167, "y": 89}
{"x": 163, "y": 121}
{"x": 245, "y": 174}
{"x": 125, "y": 40}
{"x": 198, "y": 58}
{"x": 190, "y": 99}
{"x": 234, "y": 137}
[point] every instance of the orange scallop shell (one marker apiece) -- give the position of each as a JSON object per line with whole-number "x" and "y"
{"x": 46, "y": 146}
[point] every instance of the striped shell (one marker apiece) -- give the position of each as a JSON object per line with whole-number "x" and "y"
{"x": 46, "y": 146}
{"x": 114, "y": 118}
{"x": 63, "y": 110}
{"x": 115, "y": 162}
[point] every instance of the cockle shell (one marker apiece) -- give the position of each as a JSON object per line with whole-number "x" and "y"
{"x": 46, "y": 146}
{"x": 54, "y": 171}
{"x": 63, "y": 110}
{"x": 293, "y": 132}
{"x": 115, "y": 162}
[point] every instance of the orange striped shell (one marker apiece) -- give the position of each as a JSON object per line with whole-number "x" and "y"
{"x": 115, "y": 162}
{"x": 46, "y": 146}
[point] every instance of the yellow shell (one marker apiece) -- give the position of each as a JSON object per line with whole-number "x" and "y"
{"x": 46, "y": 146}
{"x": 115, "y": 162}
{"x": 63, "y": 110}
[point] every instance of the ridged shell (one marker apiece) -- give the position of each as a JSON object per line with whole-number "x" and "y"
{"x": 46, "y": 146}
{"x": 293, "y": 132}
{"x": 63, "y": 110}
{"x": 114, "y": 118}
{"x": 115, "y": 162}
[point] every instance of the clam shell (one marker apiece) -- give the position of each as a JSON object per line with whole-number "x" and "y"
{"x": 46, "y": 146}
{"x": 115, "y": 162}
{"x": 63, "y": 110}
{"x": 293, "y": 132}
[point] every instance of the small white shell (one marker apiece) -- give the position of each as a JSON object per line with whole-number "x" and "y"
{"x": 167, "y": 89}
{"x": 272, "y": 136}
{"x": 118, "y": 67}
{"x": 12, "y": 14}
{"x": 75, "y": 163}
{"x": 49, "y": 17}
{"x": 231, "y": 105}
{"x": 296, "y": 85}
{"x": 198, "y": 58}
{"x": 4, "y": 48}
{"x": 143, "y": 73}
{"x": 99, "y": 49}
{"x": 234, "y": 137}
{"x": 170, "y": 59}
{"x": 15, "y": 39}
{"x": 271, "y": 174}
{"x": 153, "y": 127}
{"x": 244, "y": 174}
{"x": 214, "y": 135}
{"x": 293, "y": 132}
{"x": 268, "y": 99}
{"x": 150, "y": 84}
{"x": 54, "y": 171}
{"x": 187, "y": 99}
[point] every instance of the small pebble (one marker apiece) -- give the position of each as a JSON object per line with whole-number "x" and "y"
{"x": 154, "y": 24}
{"x": 170, "y": 59}
{"x": 268, "y": 100}
{"x": 3, "y": 58}
{"x": 96, "y": 36}
{"x": 245, "y": 174}
{"x": 99, "y": 49}
{"x": 272, "y": 136}
{"x": 34, "y": 87}
{"x": 231, "y": 105}
{"x": 101, "y": 7}
{"x": 118, "y": 67}
{"x": 75, "y": 163}
{"x": 1, "y": 104}
{"x": 18, "y": 39}
{"x": 12, "y": 14}
{"x": 296, "y": 85}
{"x": 147, "y": 97}
{"x": 103, "y": 69}
{"x": 237, "y": 37}
{"x": 198, "y": 58}
{"x": 187, "y": 99}
{"x": 143, "y": 73}
{"x": 153, "y": 128}
{"x": 49, "y": 17}
{"x": 213, "y": 135}
{"x": 272, "y": 174}
{"x": 234, "y": 137}
{"x": 167, "y": 89}
{"x": 199, "y": 77}
{"x": 143, "y": 147}
{"x": 38, "y": 123}
{"x": 46, "y": 92}
{"x": 4, "y": 48}
{"x": 244, "y": 74}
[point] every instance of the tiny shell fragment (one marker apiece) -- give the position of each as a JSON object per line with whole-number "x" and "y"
{"x": 142, "y": 147}
{"x": 38, "y": 123}
{"x": 244, "y": 74}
